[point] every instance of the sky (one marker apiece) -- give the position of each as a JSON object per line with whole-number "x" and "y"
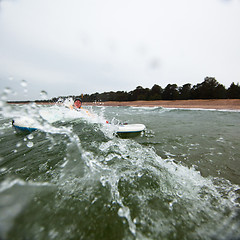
{"x": 86, "y": 46}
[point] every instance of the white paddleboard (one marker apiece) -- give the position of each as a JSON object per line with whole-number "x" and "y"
{"x": 25, "y": 124}
{"x": 131, "y": 128}
{"x": 30, "y": 125}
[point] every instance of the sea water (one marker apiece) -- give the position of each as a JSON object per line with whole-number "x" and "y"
{"x": 75, "y": 179}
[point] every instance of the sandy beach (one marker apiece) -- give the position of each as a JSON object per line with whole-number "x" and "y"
{"x": 224, "y": 104}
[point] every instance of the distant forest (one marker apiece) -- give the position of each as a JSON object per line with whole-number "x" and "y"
{"x": 210, "y": 88}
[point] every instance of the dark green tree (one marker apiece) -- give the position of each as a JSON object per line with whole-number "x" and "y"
{"x": 170, "y": 92}
{"x": 121, "y": 96}
{"x": 139, "y": 93}
{"x": 220, "y": 92}
{"x": 208, "y": 89}
{"x": 185, "y": 92}
{"x": 156, "y": 93}
{"x": 233, "y": 91}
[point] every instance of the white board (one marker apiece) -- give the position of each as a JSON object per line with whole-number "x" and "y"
{"x": 131, "y": 128}
{"x": 25, "y": 124}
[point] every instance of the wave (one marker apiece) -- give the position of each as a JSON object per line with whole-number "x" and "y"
{"x": 103, "y": 182}
{"x": 202, "y": 109}
{"x": 145, "y": 187}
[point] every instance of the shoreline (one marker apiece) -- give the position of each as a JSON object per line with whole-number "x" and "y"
{"x": 221, "y": 104}
{"x": 218, "y": 104}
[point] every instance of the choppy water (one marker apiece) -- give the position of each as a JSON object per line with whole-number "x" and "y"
{"x": 77, "y": 180}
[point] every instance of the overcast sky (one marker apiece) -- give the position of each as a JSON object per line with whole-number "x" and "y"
{"x": 86, "y": 46}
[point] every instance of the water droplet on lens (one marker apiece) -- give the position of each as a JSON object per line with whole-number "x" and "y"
{"x": 43, "y": 94}
{"x": 4, "y": 96}
{"x": 30, "y": 136}
{"x": 155, "y": 63}
{"x": 18, "y": 144}
{"x": 24, "y": 83}
{"x": 7, "y": 90}
{"x": 30, "y": 144}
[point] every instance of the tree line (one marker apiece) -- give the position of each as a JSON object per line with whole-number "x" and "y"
{"x": 210, "y": 88}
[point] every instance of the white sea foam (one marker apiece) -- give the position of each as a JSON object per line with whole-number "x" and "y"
{"x": 148, "y": 192}
{"x": 182, "y": 184}
{"x": 9, "y": 183}
{"x": 203, "y": 109}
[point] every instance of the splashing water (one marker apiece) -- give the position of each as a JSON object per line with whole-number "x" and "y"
{"x": 80, "y": 181}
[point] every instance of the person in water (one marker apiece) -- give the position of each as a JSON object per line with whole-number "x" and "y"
{"x": 77, "y": 104}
